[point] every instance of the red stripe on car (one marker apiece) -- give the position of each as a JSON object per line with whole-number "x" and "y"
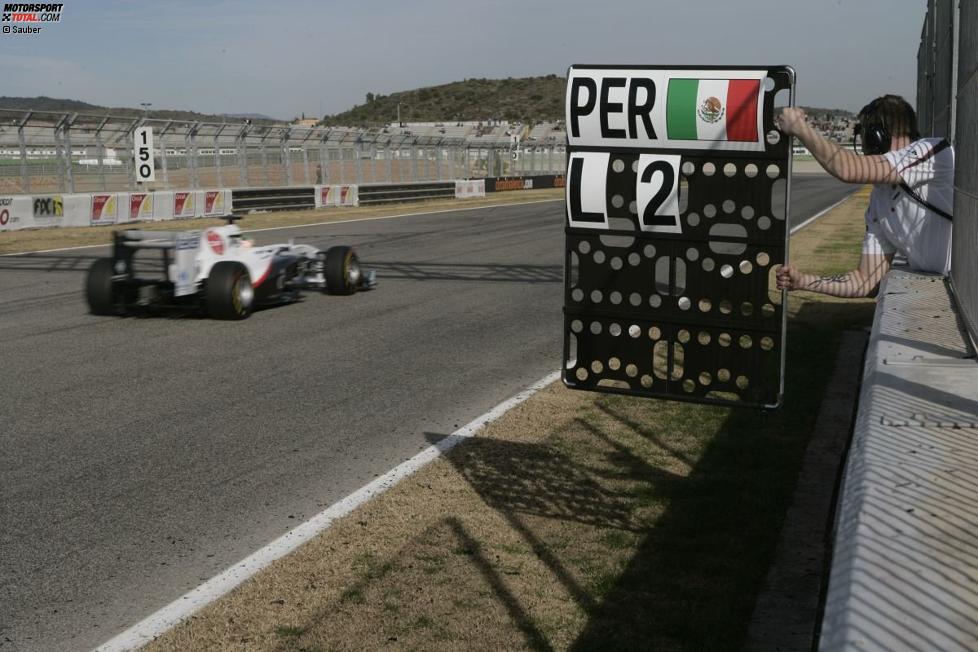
{"x": 261, "y": 279}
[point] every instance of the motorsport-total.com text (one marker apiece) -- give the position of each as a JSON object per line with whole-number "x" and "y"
{"x": 31, "y": 12}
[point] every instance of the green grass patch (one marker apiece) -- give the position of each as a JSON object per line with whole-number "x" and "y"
{"x": 617, "y": 540}
{"x": 353, "y": 595}
{"x": 290, "y": 631}
{"x": 691, "y": 578}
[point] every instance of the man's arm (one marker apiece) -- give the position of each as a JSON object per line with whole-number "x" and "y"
{"x": 860, "y": 282}
{"x": 842, "y": 163}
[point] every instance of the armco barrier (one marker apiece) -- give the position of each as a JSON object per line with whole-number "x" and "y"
{"x": 98, "y": 209}
{"x": 384, "y": 193}
{"x": 500, "y": 184}
{"x": 95, "y": 209}
{"x": 274, "y": 199}
{"x": 325, "y": 196}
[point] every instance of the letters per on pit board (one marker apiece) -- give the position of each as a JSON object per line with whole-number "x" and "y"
{"x": 677, "y": 194}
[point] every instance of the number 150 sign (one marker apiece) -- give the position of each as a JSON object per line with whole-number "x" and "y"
{"x": 656, "y": 191}
{"x": 143, "y": 153}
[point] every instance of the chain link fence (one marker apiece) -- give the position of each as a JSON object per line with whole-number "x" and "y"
{"x": 59, "y": 152}
{"x": 947, "y": 106}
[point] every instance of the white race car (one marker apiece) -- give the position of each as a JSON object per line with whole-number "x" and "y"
{"x": 217, "y": 269}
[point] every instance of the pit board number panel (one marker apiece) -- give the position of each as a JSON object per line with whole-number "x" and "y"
{"x": 676, "y": 214}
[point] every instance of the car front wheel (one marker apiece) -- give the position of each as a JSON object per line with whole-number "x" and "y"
{"x": 342, "y": 270}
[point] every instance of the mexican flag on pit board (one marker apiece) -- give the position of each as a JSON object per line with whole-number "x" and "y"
{"x": 712, "y": 109}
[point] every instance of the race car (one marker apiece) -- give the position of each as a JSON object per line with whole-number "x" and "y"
{"x": 218, "y": 270}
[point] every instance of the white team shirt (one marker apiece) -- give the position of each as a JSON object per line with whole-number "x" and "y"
{"x": 896, "y": 222}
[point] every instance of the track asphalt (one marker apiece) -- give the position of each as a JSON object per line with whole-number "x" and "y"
{"x": 142, "y": 456}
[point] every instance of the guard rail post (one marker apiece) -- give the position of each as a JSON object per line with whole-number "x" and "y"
{"x": 264, "y": 158}
{"x": 242, "y": 152}
{"x": 163, "y": 159}
{"x": 24, "y": 173}
{"x": 100, "y": 152}
{"x": 192, "y": 155}
{"x": 358, "y": 152}
{"x": 217, "y": 155}
{"x": 127, "y": 160}
{"x": 60, "y": 151}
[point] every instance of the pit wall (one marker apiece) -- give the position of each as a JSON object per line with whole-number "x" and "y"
{"x": 904, "y": 573}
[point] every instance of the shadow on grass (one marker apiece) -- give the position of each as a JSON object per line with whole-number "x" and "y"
{"x": 692, "y": 576}
{"x": 535, "y": 639}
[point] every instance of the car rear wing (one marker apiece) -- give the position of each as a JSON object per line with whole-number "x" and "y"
{"x": 178, "y": 249}
{"x": 141, "y": 239}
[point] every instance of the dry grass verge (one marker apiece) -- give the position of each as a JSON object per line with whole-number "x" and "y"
{"x": 42, "y": 239}
{"x": 577, "y": 521}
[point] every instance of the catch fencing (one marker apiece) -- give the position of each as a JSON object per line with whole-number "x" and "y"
{"x": 947, "y": 106}
{"x": 43, "y": 152}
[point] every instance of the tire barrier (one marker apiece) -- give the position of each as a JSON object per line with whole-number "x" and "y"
{"x": 105, "y": 208}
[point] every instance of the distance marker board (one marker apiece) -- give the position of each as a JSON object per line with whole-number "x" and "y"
{"x": 677, "y": 195}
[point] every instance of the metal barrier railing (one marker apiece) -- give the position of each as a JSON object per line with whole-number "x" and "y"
{"x": 71, "y": 152}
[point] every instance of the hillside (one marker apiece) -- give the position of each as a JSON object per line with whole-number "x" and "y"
{"x": 527, "y": 99}
{"x": 43, "y": 103}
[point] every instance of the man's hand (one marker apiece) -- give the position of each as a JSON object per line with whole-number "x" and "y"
{"x": 788, "y": 277}
{"x": 791, "y": 121}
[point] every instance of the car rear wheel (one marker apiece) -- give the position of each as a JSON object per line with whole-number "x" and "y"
{"x": 342, "y": 270}
{"x": 229, "y": 292}
{"x": 99, "y": 287}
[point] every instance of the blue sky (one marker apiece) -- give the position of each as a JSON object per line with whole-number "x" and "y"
{"x": 286, "y": 58}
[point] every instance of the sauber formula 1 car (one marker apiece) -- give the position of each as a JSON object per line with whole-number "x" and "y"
{"x": 218, "y": 270}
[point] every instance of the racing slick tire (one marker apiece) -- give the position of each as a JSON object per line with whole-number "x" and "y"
{"x": 229, "y": 293}
{"x": 342, "y": 270}
{"x": 100, "y": 291}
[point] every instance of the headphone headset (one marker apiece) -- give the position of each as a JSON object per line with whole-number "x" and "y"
{"x": 875, "y": 133}
{"x": 877, "y": 140}
{"x": 876, "y": 137}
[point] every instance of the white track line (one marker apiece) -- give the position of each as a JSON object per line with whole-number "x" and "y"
{"x": 301, "y": 226}
{"x": 220, "y": 585}
{"x": 820, "y": 214}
